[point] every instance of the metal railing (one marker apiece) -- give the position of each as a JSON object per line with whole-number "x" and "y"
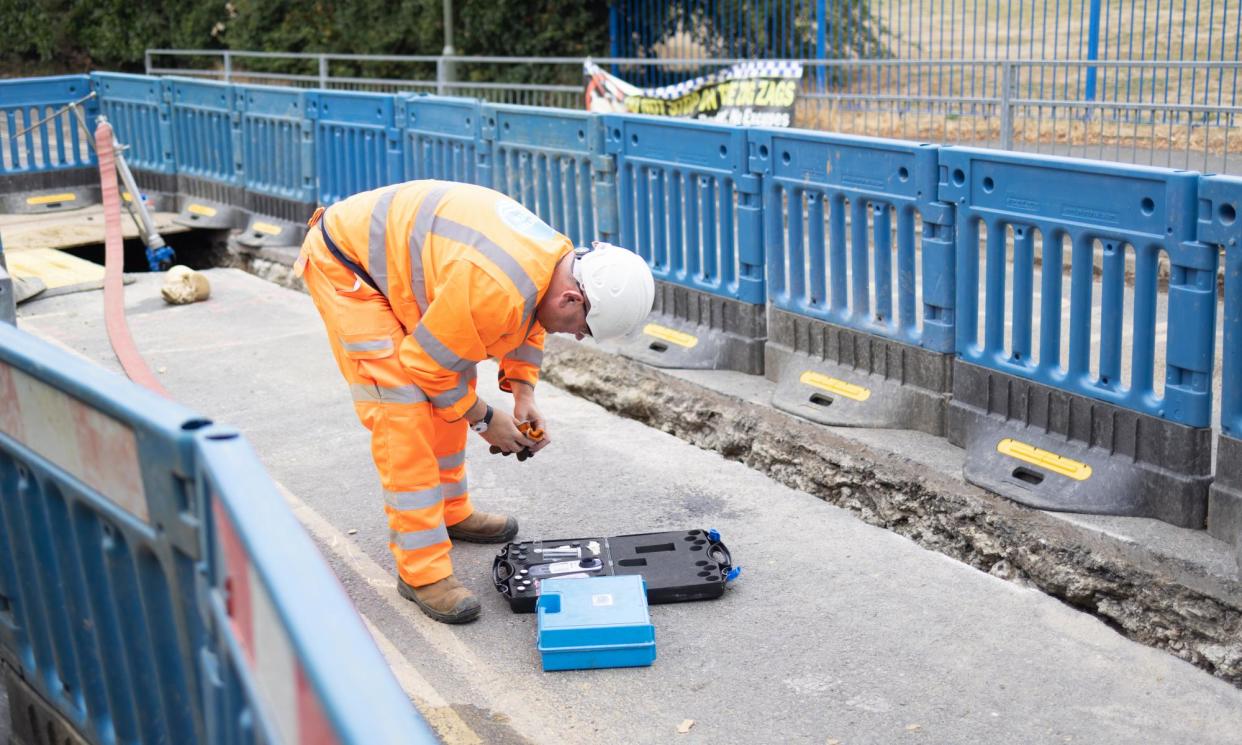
{"x": 1173, "y": 114}
{"x": 1206, "y": 30}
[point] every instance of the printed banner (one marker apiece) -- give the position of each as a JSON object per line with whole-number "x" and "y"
{"x": 758, "y": 94}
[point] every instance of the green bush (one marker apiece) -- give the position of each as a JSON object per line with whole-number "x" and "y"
{"x": 57, "y": 36}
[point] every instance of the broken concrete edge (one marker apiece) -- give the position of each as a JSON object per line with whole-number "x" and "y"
{"x": 1155, "y": 600}
{"x": 275, "y": 264}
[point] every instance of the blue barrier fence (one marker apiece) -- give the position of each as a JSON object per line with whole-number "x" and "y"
{"x": 280, "y": 622}
{"x": 856, "y": 234}
{"x": 441, "y": 140}
{"x": 688, "y": 204}
{"x": 1013, "y": 207}
{"x": 357, "y": 142}
{"x": 1220, "y": 204}
{"x": 97, "y": 573}
{"x": 908, "y": 242}
{"x": 207, "y": 141}
{"x": 136, "y": 107}
{"x": 544, "y": 159}
{"x": 33, "y": 137}
{"x": 154, "y": 586}
{"x": 278, "y": 148}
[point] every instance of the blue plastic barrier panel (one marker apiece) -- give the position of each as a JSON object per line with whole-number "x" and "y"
{"x": 36, "y": 138}
{"x": 1084, "y": 217}
{"x": 357, "y": 142}
{"x": 442, "y": 139}
{"x": 141, "y": 118}
{"x": 856, "y": 235}
{"x": 297, "y": 664}
{"x": 278, "y": 148}
{"x": 205, "y": 131}
{"x": 98, "y": 571}
{"x": 543, "y": 158}
{"x": 688, "y": 204}
{"x": 1220, "y": 204}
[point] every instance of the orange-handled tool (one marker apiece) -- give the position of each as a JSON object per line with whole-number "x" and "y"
{"x": 526, "y": 429}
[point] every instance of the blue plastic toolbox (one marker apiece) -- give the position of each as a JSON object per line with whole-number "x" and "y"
{"x": 595, "y": 622}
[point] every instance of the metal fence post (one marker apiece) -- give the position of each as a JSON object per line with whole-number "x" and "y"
{"x": 323, "y": 72}
{"x": 228, "y": 66}
{"x": 1006, "y": 105}
{"x": 1093, "y": 48}
{"x": 146, "y": 61}
{"x": 440, "y": 75}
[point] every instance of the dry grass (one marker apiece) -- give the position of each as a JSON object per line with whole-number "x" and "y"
{"x": 1056, "y": 30}
{"x": 940, "y": 30}
{"x": 948, "y": 127}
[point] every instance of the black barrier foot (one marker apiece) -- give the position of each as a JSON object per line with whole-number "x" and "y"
{"x": 209, "y": 205}
{"x": 839, "y": 396}
{"x": 208, "y": 215}
{"x": 693, "y": 330}
{"x": 845, "y": 378}
{"x": 268, "y": 232}
{"x": 49, "y": 191}
{"x": 1057, "y": 451}
{"x": 1224, "y": 518}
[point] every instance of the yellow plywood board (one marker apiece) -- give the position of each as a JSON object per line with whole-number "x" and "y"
{"x": 55, "y": 268}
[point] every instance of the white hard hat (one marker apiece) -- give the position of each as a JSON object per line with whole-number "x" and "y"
{"x": 618, "y": 286}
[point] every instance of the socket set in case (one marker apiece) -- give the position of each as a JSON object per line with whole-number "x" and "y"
{"x": 677, "y": 565}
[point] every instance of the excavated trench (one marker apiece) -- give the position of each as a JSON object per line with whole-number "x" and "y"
{"x": 941, "y": 514}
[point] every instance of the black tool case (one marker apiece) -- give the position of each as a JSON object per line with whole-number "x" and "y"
{"x": 676, "y": 566}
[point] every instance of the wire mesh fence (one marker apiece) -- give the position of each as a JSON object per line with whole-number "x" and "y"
{"x": 1181, "y": 114}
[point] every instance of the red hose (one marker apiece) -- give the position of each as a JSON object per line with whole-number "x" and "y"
{"x": 114, "y": 262}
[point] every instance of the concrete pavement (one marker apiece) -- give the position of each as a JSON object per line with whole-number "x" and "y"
{"x": 837, "y": 630}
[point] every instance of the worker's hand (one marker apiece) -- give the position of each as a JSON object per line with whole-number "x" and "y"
{"x": 524, "y": 411}
{"x": 504, "y": 433}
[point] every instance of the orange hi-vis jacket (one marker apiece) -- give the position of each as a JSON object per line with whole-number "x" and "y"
{"x": 463, "y": 269}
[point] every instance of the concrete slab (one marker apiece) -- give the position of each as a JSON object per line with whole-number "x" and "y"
{"x": 837, "y": 630}
{"x": 72, "y": 228}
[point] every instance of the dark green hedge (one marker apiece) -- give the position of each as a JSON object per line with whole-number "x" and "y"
{"x": 55, "y": 36}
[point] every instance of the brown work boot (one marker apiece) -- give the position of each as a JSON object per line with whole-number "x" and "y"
{"x": 447, "y": 601}
{"x": 484, "y": 527}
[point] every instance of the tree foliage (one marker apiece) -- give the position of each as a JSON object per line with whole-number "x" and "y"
{"x": 77, "y": 35}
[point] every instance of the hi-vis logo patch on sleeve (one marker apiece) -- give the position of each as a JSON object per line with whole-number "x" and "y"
{"x": 523, "y": 220}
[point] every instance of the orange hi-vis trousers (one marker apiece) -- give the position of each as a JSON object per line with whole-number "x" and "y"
{"x": 421, "y": 458}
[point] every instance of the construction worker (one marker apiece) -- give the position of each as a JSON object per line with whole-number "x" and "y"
{"x": 416, "y": 283}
